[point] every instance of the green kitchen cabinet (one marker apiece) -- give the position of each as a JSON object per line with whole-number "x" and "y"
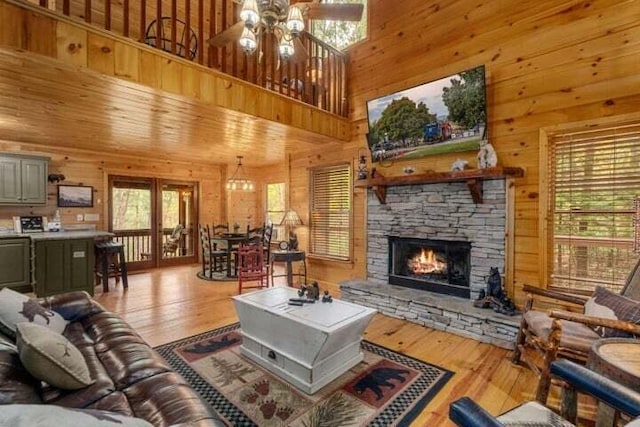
{"x": 15, "y": 264}
{"x": 23, "y": 180}
{"x": 64, "y": 265}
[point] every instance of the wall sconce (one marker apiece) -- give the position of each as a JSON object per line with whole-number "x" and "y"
{"x": 362, "y": 164}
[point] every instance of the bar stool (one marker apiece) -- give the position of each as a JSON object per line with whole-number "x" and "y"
{"x": 111, "y": 263}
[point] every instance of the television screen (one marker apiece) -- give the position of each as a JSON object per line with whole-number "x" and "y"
{"x": 442, "y": 116}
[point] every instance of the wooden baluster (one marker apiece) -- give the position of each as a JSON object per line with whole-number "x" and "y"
{"x": 343, "y": 88}
{"x": 334, "y": 81}
{"x": 107, "y": 15}
{"x": 223, "y": 26}
{"x": 87, "y": 11}
{"x": 66, "y": 7}
{"x": 187, "y": 30}
{"x": 234, "y": 49}
{"x": 254, "y": 63}
{"x": 174, "y": 12}
{"x": 159, "y": 33}
{"x": 265, "y": 59}
{"x": 125, "y": 14}
{"x": 213, "y": 52}
{"x": 296, "y": 80}
{"x": 200, "y": 32}
{"x": 289, "y": 81}
{"x": 143, "y": 20}
{"x": 273, "y": 54}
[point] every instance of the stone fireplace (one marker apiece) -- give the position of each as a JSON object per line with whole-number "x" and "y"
{"x": 440, "y": 212}
{"x": 429, "y": 250}
{"x": 441, "y": 266}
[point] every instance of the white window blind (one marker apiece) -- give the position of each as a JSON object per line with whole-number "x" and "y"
{"x": 594, "y": 181}
{"x": 331, "y": 212}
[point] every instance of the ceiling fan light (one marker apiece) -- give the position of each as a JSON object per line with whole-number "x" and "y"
{"x": 286, "y": 48}
{"x": 250, "y": 14}
{"x": 295, "y": 23}
{"x": 248, "y": 41}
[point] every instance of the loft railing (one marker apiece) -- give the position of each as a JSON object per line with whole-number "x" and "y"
{"x": 183, "y": 28}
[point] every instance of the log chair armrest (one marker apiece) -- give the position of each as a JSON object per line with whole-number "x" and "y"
{"x": 72, "y": 306}
{"x": 619, "y": 325}
{"x": 608, "y": 391}
{"x": 464, "y": 412}
{"x": 574, "y": 299}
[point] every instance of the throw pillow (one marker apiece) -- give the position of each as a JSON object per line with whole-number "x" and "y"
{"x": 53, "y": 416}
{"x": 51, "y": 357}
{"x": 16, "y": 307}
{"x": 606, "y": 304}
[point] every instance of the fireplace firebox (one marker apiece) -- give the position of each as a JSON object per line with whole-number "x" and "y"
{"x": 441, "y": 266}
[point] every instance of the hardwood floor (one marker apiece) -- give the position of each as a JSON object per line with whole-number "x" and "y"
{"x": 172, "y": 303}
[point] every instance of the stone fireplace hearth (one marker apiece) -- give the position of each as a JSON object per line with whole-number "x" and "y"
{"x": 465, "y": 237}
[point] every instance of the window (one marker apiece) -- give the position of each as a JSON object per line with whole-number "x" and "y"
{"x": 331, "y": 212}
{"x": 594, "y": 183}
{"x": 341, "y": 34}
{"x": 275, "y": 209}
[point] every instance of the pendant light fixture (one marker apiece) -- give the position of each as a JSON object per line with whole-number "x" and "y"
{"x": 239, "y": 180}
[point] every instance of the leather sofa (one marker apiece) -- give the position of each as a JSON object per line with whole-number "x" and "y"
{"x": 130, "y": 378}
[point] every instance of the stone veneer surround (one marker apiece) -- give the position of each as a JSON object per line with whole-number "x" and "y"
{"x": 442, "y": 211}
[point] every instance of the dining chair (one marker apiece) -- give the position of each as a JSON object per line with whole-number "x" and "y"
{"x": 219, "y": 251}
{"x": 251, "y": 266}
{"x": 464, "y": 412}
{"x": 544, "y": 336}
{"x": 205, "y": 243}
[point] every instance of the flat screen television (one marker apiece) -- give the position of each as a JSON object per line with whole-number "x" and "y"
{"x": 442, "y": 116}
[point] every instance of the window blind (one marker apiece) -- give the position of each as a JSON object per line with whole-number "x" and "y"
{"x": 331, "y": 212}
{"x": 594, "y": 181}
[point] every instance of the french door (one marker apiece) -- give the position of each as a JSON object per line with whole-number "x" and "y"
{"x": 155, "y": 219}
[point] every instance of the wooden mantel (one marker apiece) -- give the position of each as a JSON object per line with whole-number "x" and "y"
{"x": 473, "y": 177}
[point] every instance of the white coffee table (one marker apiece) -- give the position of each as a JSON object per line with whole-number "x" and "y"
{"x": 307, "y": 346}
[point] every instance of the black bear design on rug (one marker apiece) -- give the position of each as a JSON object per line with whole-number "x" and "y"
{"x": 379, "y": 377}
{"x": 31, "y": 309}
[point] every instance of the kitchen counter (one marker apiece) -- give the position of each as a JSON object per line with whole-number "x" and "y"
{"x": 55, "y": 235}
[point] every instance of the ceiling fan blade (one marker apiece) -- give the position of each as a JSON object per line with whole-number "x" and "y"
{"x": 300, "y": 53}
{"x": 333, "y": 11}
{"x": 227, "y": 36}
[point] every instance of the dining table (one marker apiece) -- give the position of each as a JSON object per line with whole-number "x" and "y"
{"x": 230, "y": 241}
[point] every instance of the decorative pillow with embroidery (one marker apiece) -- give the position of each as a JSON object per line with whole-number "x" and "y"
{"x": 52, "y": 415}
{"x": 16, "y": 307}
{"x": 51, "y": 358}
{"x": 604, "y": 303}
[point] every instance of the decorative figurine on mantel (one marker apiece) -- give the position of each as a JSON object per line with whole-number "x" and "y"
{"x": 293, "y": 241}
{"x": 326, "y": 297}
{"x": 459, "y": 165}
{"x": 487, "y": 157}
{"x": 495, "y": 297}
{"x": 311, "y": 291}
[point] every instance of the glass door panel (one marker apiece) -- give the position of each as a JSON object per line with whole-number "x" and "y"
{"x": 178, "y": 219}
{"x": 132, "y": 217}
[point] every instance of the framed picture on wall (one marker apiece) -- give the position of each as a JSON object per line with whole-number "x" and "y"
{"x": 75, "y": 196}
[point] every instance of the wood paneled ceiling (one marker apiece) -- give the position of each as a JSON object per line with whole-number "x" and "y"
{"x": 46, "y": 102}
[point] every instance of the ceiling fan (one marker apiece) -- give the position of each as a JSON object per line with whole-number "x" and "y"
{"x": 285, "y": 21}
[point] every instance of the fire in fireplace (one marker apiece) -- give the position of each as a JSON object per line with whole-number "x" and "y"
{"x": 435, "y": 265}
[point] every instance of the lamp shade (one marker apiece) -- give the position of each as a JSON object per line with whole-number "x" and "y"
{"x": 291, "y": 219}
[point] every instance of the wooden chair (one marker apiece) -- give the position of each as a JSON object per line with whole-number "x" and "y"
{"x": 545, "y": 336}
{"x": 576, "y": 379}
{"x": 173, "y": 241}
{"x": 219, "y": 251}
{"x": 205, "y": 243}
{"x": 251, "y": 266}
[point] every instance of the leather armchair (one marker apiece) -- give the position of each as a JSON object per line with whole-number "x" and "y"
{"x": 465, "y": 412}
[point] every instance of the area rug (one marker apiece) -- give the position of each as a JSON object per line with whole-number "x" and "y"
{"x": 385, "y": 389}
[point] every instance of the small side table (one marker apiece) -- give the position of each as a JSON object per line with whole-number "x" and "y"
{"x": 619, "y": 360}
{"x": 288, "y": 257}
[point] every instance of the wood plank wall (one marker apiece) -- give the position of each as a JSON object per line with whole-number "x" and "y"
{"x": 548, "y": 62}
{"x": 82, "y": 167}
{"x": 40, "y": 31}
